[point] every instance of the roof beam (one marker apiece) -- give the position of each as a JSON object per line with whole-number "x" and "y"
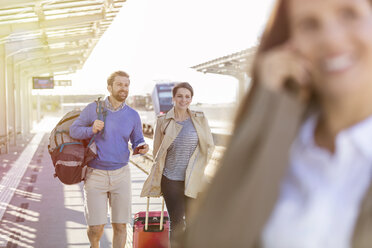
{"x": 45, "y": 62}
{"x": 50, "y": 59}
{"x": 49, "y": 69}
{"x": 8, "y": 29}
{"x": 48, "y": 53}
{"x": 15, "y": 4}
{"x": 24, "y": 3}
{"x": 234, "y": 64}
{"x": 14, "y": 47}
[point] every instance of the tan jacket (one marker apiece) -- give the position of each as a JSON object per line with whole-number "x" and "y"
{"x": 241, "y": 198}
{"x": 166, "y": 131}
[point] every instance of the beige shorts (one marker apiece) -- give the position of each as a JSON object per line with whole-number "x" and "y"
{"x": 108, "y": 187}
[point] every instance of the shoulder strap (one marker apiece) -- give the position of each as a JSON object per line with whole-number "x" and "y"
{"x": 100, "y": 109}
{"x": 101, "y": 113}
{"x": 166, "y": 126}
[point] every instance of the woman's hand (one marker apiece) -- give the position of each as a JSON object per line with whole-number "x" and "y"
{"x": 278, "y": 65}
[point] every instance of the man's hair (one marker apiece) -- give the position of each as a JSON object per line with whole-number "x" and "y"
{"x": 182, "y": 85}
{"x": 111, "y": 78}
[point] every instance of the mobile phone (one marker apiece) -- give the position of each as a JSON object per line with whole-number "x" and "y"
{"x": 139, "y": 147}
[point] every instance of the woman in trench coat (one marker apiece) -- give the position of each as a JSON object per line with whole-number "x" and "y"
{"x": 183, "y": 144}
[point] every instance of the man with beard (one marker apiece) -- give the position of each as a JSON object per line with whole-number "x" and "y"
{"x": 108, "y": 177}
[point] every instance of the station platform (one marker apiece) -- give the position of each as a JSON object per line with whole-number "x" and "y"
{"x": 38, "y": 211}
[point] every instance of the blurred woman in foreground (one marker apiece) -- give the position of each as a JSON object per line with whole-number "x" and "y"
{"x": 298, "y": 170}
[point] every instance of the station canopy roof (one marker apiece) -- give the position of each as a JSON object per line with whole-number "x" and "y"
{"x": 236, "y": 64}
{"x": 53, "y": 36}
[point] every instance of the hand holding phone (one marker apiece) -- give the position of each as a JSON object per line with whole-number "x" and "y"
{"x": 283, "y": 68}
{"x": 138, "y": 147}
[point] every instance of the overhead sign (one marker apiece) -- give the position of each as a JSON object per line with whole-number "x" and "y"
{"x": 42, "y": 82}
{"x": 62, "y": 82}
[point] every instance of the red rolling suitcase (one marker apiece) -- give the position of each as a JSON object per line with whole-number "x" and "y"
{"x": 151, "y": 229}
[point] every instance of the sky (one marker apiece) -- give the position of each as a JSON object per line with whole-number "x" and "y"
{"x": 161, "y": 39}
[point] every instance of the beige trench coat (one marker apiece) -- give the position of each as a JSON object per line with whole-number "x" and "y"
{"x": 239, "y": 202}
{"x": 166, "y": 131}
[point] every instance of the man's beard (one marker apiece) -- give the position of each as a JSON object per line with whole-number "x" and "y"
{"x": 120, "y": 97}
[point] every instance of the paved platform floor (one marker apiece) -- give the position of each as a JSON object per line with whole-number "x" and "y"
{"x": 44, "y": 213}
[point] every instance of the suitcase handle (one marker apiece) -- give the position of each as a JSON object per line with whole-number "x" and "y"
{"x": 152, "y": 220}
{"x": 161, "y": 215}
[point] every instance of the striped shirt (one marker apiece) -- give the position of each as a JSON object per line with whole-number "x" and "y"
{"x": 180, "y": 151}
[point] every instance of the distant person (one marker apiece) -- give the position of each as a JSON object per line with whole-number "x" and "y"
{"x": 298, "y": 170}
{"x": 108, "y": 178}
{"x": 183, "y": 143}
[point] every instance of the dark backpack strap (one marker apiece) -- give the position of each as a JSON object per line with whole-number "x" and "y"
{"x": 166, "y": 126}
{"x": 101, "y": 113}
{"x": 99, "y": 108}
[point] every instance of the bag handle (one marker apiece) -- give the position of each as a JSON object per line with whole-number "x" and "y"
{"x": 161, "y": 215}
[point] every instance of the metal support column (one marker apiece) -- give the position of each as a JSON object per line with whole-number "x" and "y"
{"x": 38, "y": 107}
{"x": 25, "y": 104}
{"x": 244, "y": 84}
{"x": 11, "y": 98}
{"x": 4, "y": 97}
{"x": 30, "y": 102}
{"x": 18, "y": 101}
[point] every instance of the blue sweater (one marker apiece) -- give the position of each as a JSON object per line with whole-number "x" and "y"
{"x": 120, "y": 127}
